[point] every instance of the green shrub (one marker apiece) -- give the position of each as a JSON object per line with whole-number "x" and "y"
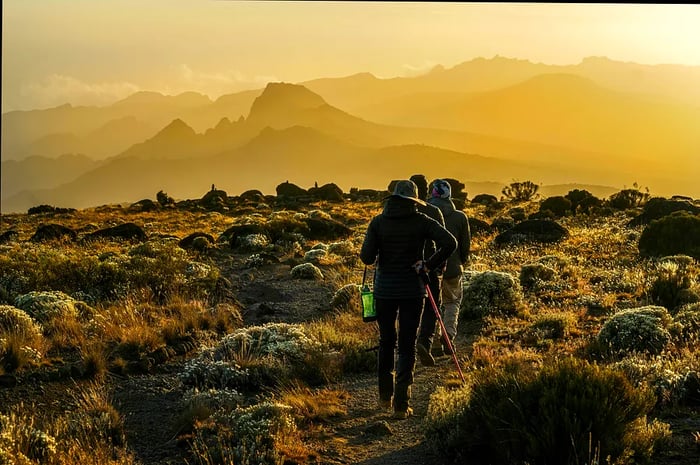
{"x": 532, "y": 274}
{"x": 520, "y": 191}
{"x": 549, "y": 417}
{"x": 688, "y": 321}
{"x": 628, "y": 198}
{"x": 159, "y": 267}
{"x": 261, "y": 434}
{"x": 674, "y": 277}
{"x": 307, "y": 271}
{"x": 552, "y": 325}
{"x": 664, "y": 375}
{"x": 14, "y": 320}
{"x": 677, "y": 233}
{"x": 491, "y": 292}
{"x": 582, "y": 200}
{"x": 46, "y": 305}
{"x": 643, "y": 329}
{"x": 557, "y": 204}
{"x": 257, "y": 356}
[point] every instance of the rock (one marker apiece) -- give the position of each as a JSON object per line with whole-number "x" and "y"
{"x": 379, "y": 428}
{"x": 287, "y": 189}
{"x": 145, "y": 205}
{"x": 330, "y": 192}
{"x": 252, "y": 195}
{"x": 127, "y": 231}
{"x": 545, "y": 231}
{"x": 197, "y": 241}
{"x": 49, "y": 232}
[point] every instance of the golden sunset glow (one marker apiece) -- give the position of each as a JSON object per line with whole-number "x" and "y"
{"x": 94, "y": 52}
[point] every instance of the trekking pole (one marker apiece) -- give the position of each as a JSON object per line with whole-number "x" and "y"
{"x": 445, "y": 336}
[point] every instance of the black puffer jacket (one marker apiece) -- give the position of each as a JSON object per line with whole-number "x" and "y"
{"x": 395, "y": 240}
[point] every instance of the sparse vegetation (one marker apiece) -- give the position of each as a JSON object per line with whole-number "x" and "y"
{"x": 260, "y": 328}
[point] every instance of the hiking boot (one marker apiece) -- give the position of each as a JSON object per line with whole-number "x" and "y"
{"x": 446, "y": 349}
{"x": 424, "y": 355}
{"x": 403, "y": 414}
{"x": 437, "y": 351}
{"x": 385, "y": 405}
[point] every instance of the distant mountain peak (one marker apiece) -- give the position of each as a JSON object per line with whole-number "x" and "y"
{"x": 280, "y": 97}
{"x": 177, "y": 128}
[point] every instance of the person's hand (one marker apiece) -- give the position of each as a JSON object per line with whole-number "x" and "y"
{"x": 420, "y": 267}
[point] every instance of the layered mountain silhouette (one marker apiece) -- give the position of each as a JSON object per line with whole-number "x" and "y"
{"x": 485, "y": 121}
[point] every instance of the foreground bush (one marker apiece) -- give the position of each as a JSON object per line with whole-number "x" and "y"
{"x": 549, "y": 417}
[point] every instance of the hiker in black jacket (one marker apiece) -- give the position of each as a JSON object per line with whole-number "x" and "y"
{"x": 395, "y": 240}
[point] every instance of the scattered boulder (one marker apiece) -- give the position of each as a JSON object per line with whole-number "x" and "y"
{"x": 197, "y": 241}
{"x": 52, "y": 231}
{"x": 49, "y": 209}
{"x": 367, "y": 195}
{"x": 144, "y": 205}
{"x": 252, "y": 195}
{"x": 287, "y": 189}
{"x": 330, "y": 192}
{"x": 379, "y": 429}
{"x": 214, "y": 199}
{"x": 545, "y": 231}
{"x": 126, "y": 231}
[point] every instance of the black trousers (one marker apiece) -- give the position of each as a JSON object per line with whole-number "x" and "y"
{"x": 407, "y": 312}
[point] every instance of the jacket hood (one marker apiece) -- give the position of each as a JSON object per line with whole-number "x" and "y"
{"x": 446, "y": 206}
{"x": 396, "y": 207}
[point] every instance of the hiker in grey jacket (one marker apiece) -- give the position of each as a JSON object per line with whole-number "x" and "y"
{"x": 395, "y": 240}
{"x": 434, "y": 277}
{"x": 457, "y": 222}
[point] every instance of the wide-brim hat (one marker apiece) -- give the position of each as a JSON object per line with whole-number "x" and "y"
{"x": 406, "y": 189}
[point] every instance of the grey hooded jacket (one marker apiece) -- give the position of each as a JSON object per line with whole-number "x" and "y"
{"x": 457, "y": 223}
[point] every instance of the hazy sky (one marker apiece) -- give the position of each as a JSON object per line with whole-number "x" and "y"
{"x": 98, "y": 51}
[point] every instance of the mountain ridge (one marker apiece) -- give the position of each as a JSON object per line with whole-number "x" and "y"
{"x": 527, "y": 139}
